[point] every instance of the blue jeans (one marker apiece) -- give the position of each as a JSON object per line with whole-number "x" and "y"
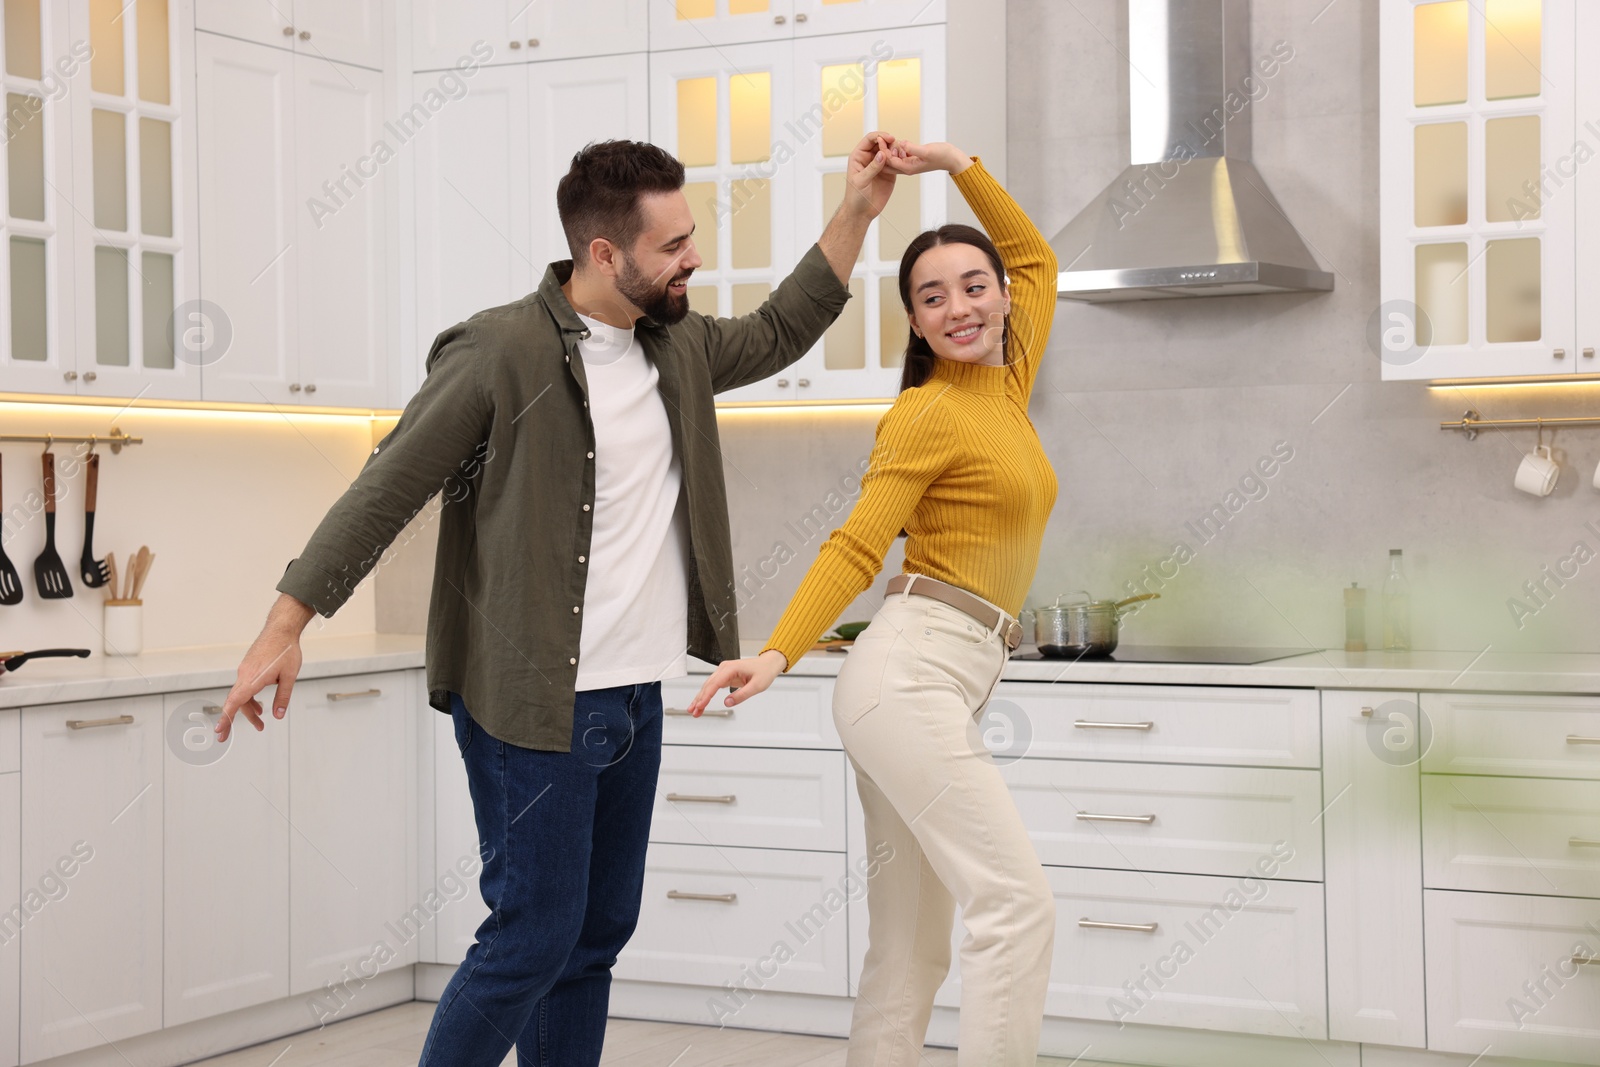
{"x": 563, "y": 835}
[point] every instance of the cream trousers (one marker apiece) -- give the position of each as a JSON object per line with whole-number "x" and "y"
{"x": 907, "y": 704}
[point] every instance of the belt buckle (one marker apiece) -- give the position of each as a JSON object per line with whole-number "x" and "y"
{"x": 1011, "y": 634}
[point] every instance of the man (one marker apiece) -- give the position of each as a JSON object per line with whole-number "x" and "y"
{"x": 585, "y": 550}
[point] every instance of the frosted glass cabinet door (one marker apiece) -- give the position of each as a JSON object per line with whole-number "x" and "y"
{"x": 341, "y": 236}
{"x": 248, "y": 216}
{"x": 700, "y": 23}
{"x": 1481, "y": 190}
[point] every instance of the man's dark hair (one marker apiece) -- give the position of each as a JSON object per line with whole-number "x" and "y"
{"x": 600, "y": 194}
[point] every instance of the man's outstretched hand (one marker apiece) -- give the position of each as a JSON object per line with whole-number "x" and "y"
{"x": 274, "y": 659}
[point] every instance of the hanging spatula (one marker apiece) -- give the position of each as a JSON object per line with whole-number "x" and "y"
{"x": 93, "y": 572}
{"x": 10, "y": 582}
{"x": 49, "y": 573}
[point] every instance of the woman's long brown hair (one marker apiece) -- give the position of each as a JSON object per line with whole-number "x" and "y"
{"x": 920, "y": 358}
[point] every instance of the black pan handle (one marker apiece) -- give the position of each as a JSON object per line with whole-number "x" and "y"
{"x": 16, "y": 661}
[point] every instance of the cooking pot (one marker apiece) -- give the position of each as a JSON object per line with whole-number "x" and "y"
{"x": 10, "y": 661}
{"x": 1080, "y": 628}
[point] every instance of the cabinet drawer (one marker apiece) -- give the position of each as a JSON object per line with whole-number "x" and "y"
{"x": 1502, "y": 972}
{"x": 733, "y": 796}
{"x": 1523, "y": 736}
{"x": 711, "y": 916}
{"x": 1187, "y": 820}
{"x": 1215, "y": 960}
{"x": 793, "y": 713}
{"x": 1170, "y": 724}
{"x": 1511, "y": 835}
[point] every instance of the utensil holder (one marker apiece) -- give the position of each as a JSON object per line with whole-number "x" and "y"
{"x": 124, "y": 627}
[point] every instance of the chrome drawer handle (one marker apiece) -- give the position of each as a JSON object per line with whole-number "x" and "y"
{"x": 726, "y": 798}
{"x": 85, "y": 724}
{"x": 211, "y": 709}
{"x": 336, "y": 697}
{"x": 710, "y": 713}
{"x": 1574, "y": 739}
{"x": 1082, "y": 724}
{"x": 717, "y": 898}
{"x": 1589, "y": 961}
{"x": 1142, "y": 928}
{"x": 1582, "y": 842}
{"x": 1089, "y": 816}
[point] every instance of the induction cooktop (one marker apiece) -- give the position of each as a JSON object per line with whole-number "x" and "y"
{"x": 1223, "y": 654}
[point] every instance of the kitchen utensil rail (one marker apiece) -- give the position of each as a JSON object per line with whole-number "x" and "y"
{"x": 116, "y": 439}
{"x": 1471, "y": 422}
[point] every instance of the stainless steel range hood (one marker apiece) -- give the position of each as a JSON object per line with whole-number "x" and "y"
{"x": 1191, "y": 216}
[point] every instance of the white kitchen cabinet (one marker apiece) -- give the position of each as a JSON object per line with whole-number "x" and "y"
{"x": 1225, "y": 953}
{"x": 743, "y": 798}
{"x": 346, "y": 31}
{"x": 816, "y": 17}
{"x": 1513, "y": 734}
{"x": 38, "y": 353}
{"x": 455, "y": 839}
{"x": 10, "y": 942}
{"x": 720, "y": 111}
{"x": 352, "y": 857}
{"x": 445, "y": 31}
{"x": 486, "y": 216}
{"x": 1372, "y": 832}
{"x": 844, "y": 86}
{"x": 1511, "y": 835}
{"x": 711, "y": 916}
{"x": 1475, "y": 118}
{"x": 796, "y": 712}
{"x": 92, "y": 794}
{"x": 293, "y": 234}
{"x": 226, "y": 884}
{"x": 676, "y": 24}
{"x": 1508, "y": 974}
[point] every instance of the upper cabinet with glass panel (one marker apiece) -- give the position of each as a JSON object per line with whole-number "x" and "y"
{"x": 1480, "y": 187}
{"x": 816, "y": 17}
{"x": 704, "y": 23}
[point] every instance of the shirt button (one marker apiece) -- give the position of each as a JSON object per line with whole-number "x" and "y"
{"x": 573, "y": 662}
{"x": 574, "y": 610}
{"x": 569, "y": 359}
{"x": 591, "y": 454}
{"x": 583, "y": 559}
{"x": 586, "y": 507}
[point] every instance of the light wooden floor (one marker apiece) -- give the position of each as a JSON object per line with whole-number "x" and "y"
{"x": 393, "y": 1038}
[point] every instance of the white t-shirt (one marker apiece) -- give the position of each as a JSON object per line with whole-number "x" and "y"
{"x": 636, "y": 603}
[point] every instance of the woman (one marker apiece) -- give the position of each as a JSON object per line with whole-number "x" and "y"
{"x": 958, "y": 465}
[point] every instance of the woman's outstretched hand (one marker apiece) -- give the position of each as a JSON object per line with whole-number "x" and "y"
{"x": 746, "y": 677}
{"x": 907, "y": 158}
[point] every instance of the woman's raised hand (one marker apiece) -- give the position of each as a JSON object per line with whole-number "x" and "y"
{"x": 907, "y": 158}
{"x": 746, "y": 677}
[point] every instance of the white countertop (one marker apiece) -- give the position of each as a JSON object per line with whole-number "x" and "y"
{"x": 100, "y": 677}
{"x": 55, "y": 681}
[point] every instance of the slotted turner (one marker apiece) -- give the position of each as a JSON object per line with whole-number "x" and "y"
{"x": 93, "y": 572}
{"x": 10, "y": 582}
{"x": 49, "y": 573}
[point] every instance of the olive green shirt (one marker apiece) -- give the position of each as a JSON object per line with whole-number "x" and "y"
{"x": 501, "y": 428}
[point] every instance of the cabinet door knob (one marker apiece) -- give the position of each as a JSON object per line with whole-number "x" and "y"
{"x": 288, "y": 31}
{"x": 89, "y": 376}
{"x": 294, "y": 387}
{"x": 802, "y": 17}
{"x": 780, "y": 20}
{"x": 1588, "y": 353}
{"x": 804, "y": 382}
{"x": 515, "y": 45}
{"x": 71, "y": 376}
{"x": 311, "y": 387}
{"x": 783, "y": 383}
{"x": 305, "y": 35}
{"x": 1560, "y": 353}
{"x": 533, "y": 42}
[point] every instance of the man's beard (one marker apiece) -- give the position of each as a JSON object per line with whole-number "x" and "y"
{"x": 661, "y": 306}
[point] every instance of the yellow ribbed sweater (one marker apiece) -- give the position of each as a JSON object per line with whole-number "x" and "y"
{"x": 957, "y": 463}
